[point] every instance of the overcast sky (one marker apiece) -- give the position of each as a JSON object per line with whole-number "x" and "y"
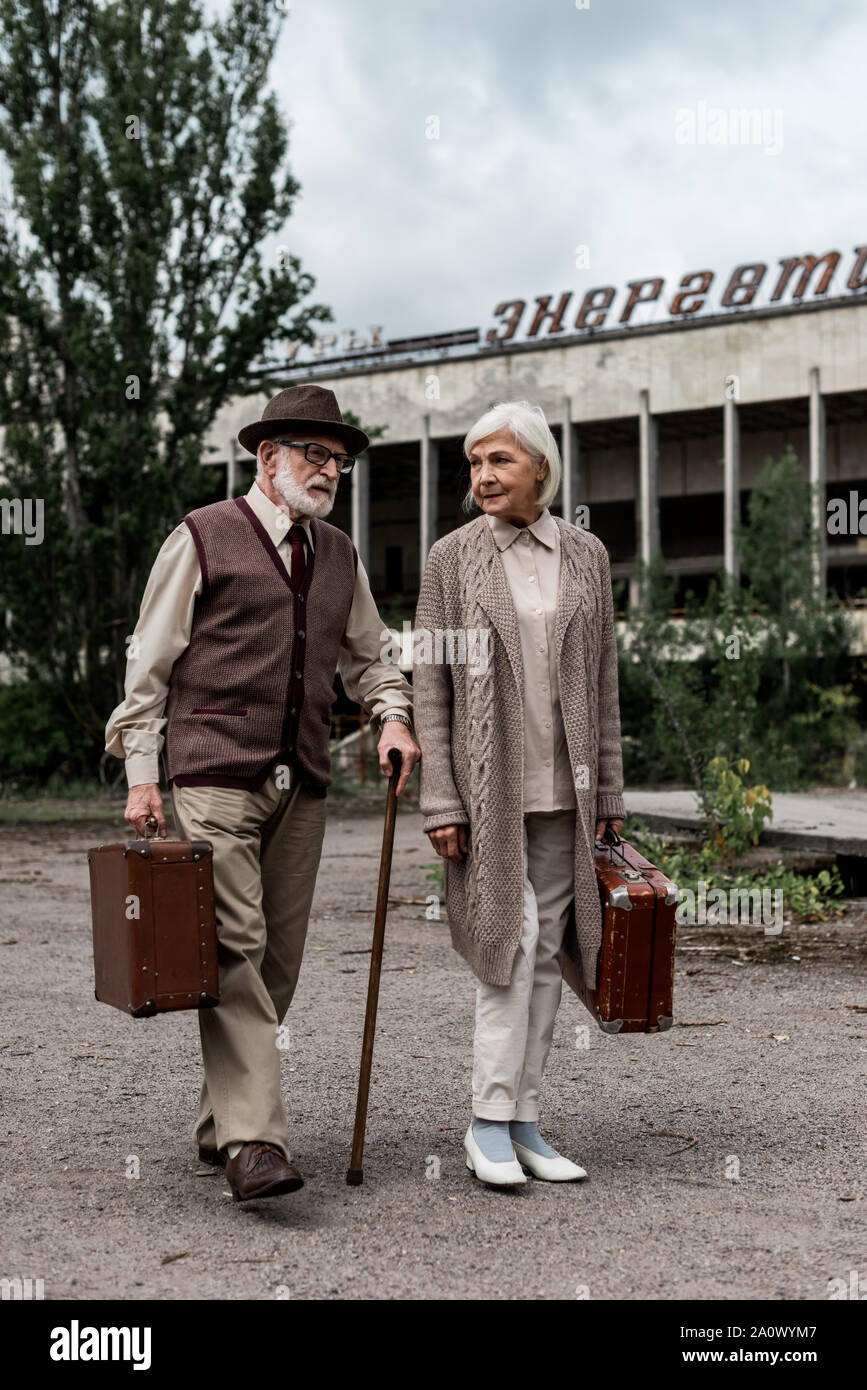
{"x": 558, "y": 129}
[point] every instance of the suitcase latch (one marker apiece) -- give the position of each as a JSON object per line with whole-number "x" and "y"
{"x": 619, "y": 897}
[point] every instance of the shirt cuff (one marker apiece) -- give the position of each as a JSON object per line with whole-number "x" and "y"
{"x": 141, "y": 768}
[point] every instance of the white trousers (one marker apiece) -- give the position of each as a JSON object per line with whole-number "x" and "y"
{"x": 515, "y": 1022}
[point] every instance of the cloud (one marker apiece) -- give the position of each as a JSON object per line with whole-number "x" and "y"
{"x": 557, "y": 129}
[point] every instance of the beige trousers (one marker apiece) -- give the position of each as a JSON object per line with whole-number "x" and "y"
{"x": 515, "y": 1022}
{"x": 267, "y": 846}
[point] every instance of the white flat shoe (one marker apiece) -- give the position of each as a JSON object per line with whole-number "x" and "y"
{"x": 497, "y": 1174}
{"x": 557, "y": 1169}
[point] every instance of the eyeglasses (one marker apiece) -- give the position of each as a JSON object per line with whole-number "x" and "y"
{"x": 319, "y": 455}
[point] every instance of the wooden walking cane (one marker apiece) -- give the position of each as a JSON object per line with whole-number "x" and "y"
{"x": 355, "y": 1172}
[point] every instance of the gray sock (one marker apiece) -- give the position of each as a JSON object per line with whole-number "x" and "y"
{"x": 526, "y": 1132}
{"x": 492, "y": 1137}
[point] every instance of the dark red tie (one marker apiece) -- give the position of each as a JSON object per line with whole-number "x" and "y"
{"x": 298, "y": 542}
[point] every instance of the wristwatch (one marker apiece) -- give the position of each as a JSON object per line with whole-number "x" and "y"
{"x": 402, "y": 717}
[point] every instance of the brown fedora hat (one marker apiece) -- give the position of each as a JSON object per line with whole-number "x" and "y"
{"x": 299, "y": 408}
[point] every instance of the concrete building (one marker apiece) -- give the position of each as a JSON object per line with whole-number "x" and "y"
{"x": 663, "y": 428}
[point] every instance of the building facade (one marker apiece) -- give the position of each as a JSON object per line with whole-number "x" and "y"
{"x": 663, "y": 428}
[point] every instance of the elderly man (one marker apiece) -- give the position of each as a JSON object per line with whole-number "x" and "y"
{"x": 251, "y": 606}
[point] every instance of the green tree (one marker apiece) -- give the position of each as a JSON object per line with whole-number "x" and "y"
{"x": 147, "y": 165}
{"x": 779, "y": 548}
{"x": 757, "y": 670}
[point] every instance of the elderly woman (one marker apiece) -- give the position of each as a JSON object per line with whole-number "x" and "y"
{"x": 516, "y": 709}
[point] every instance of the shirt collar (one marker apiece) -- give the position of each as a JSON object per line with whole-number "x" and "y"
{"x": 275, "y": 521}
{"x": 544, "y": 528}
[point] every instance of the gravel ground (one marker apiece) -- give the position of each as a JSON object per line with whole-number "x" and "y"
{"x": 762, "y": 1076}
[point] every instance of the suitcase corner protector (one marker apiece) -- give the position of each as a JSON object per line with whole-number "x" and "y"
{"x": 664, "y": 1022}
{"x": 611, "y": 1025}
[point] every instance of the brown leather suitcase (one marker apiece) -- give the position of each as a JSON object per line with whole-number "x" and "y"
{"x": 154, "y": 926}
{"x": 635, "y": 976}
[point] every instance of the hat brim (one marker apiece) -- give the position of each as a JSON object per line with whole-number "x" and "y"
{"x": 251, "y": 436}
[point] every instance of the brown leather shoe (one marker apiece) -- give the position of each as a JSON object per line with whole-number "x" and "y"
{"x": 260, "y": 1170}
{"x": 215, "y": 1157}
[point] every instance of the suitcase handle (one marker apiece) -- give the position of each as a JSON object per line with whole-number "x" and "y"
{"x": 611, "y": 841}
{"x": 612, "y": 844}
{"x": 151, "y": 825}
{"x": 630, "y": 874}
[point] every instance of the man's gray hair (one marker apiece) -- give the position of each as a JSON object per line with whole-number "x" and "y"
{"x": 531, "y": 433}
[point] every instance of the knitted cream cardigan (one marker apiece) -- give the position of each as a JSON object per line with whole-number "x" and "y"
{"x": 469, "y": 724}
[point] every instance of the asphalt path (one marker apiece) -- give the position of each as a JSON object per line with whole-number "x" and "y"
{"x": 725, "y": 1157}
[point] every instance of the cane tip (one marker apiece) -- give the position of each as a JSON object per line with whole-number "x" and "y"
{"x": 355, "y": 1177}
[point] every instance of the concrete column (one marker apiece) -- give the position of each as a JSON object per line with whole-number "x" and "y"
{"x": 818, "y": 474}
{"x": 731, "y": 487}
{"x": 429, "y": 491}
{"x": 228, "y": 463}
{"x": 648, "y": 480}
{"x": 230, "y": 467}
{"x": 360, "y": 509}
{"x": 569, "y": 489}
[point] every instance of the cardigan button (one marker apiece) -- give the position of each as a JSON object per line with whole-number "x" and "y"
{"x": 302, "y": 633}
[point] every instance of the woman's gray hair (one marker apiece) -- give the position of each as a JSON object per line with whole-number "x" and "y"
{"x": 531, "y": 433}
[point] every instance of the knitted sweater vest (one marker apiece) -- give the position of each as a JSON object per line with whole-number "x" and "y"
{"x": 254, "y": 643}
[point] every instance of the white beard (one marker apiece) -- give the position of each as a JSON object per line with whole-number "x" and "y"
{"x": 297, "y": 495}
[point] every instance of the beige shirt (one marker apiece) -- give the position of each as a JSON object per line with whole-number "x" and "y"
{"x": 135, "y": 730}
{"x": 531, "y": 560}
